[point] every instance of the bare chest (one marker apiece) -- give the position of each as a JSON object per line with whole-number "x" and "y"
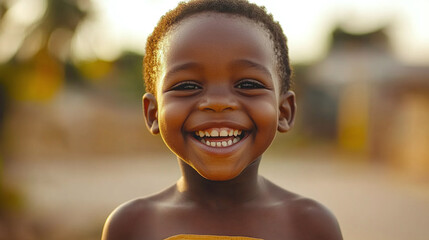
{"x": 268, "y": 224}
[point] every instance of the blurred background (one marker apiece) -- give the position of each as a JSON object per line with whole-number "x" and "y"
{"x": 73, "y": 143}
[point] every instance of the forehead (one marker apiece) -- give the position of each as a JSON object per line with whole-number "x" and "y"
{"x": 217, "y": 22}
{"x": 217, "y": 29}
{"x": 206, "y": 36}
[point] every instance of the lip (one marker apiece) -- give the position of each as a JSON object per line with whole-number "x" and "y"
{"x": 218, "y": 151}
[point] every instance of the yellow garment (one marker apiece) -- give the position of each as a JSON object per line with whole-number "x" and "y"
{"x": 208, "y": 237}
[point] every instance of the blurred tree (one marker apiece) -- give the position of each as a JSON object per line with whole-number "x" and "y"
{"x": 129, "y": 70}
{"x": 36, "y": 71}
{"x": 2, "y": 9}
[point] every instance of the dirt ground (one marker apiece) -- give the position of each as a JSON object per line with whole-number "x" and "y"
{"x": 72, "y": 198}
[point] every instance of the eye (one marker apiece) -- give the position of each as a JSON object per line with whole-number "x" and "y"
{"x": 249, "y": 84}
{"x": 186, "y": 86}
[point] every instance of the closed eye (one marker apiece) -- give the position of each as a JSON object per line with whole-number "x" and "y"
{"x": 249, "y": 84}
{"x": 186, "y": 86}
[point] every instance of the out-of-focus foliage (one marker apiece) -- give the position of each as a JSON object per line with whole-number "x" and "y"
{"x": 36, "y": 71}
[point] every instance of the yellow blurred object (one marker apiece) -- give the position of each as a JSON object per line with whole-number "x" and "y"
{"x": 409, "y": 139}
{"x": 207, "y": 237}
{"x": 40, "y": 80}
{"x": 353, "y": 117}
{"x": 95, "y": 70}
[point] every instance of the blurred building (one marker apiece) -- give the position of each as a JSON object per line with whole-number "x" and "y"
{"x": 361, "y": 97}
{"x": 97, "y": 113}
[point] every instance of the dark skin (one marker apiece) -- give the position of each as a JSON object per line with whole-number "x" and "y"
{"x": 220, "y": 76}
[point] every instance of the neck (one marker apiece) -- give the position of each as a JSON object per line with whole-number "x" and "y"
{"x": 244, "y": 188}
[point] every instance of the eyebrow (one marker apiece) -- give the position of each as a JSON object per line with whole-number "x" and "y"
{"x": 237, "y": 63}
{"x": 251, "y": 64}
{"x": 181, "y": 67}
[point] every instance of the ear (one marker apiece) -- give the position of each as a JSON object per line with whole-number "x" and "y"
{"x": 150, "y": 110}
{"x": 287, "y": 107}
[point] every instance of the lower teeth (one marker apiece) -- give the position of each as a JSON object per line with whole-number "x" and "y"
{"x": 222, "y": 143}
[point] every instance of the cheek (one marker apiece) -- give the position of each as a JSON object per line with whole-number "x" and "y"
{"x": 266, "y": 114}
{"x": 171, "y": 118}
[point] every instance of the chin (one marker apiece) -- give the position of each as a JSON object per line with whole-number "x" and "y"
{"x": 219, "y": 176}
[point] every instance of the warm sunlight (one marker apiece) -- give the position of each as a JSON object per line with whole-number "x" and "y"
{"x": 126, "y": 24}
{"x": 115, "y": 26}
{"x": 77, "y": 101}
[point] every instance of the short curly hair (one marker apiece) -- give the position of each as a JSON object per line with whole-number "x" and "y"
{"x": 240, "y": 8}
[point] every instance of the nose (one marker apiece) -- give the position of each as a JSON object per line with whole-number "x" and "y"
{"x": 218, "y": 100}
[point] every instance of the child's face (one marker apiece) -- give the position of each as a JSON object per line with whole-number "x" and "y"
{"x": 219, "y": 78}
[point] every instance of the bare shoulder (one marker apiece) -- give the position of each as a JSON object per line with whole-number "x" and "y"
{"x": 125, "y": 219}
{"x": 312, "y": 220}
{"x": 306, "y": 218}
{"x": 133, "y": 219}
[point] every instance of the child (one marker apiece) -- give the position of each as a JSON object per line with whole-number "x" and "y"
{"x": 218, "y": 77}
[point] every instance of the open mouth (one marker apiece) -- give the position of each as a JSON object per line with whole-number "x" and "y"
{"x": 220, "y": 137}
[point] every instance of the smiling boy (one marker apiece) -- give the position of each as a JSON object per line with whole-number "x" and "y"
{"x": 218, "y": 89}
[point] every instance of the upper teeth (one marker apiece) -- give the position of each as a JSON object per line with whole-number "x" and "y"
{"x": 216, "y": 132}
